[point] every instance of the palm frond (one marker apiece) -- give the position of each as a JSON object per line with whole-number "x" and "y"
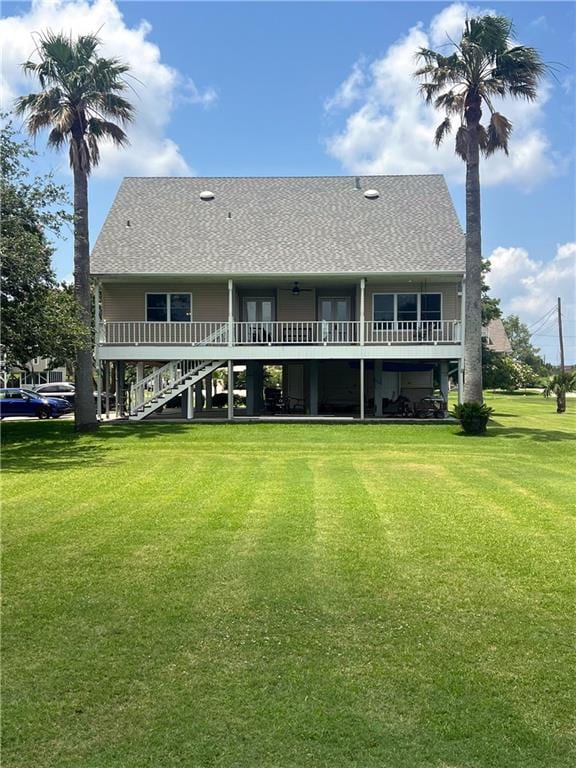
{"x": 450, "y": 101}
{"x": 56, "y": 138}
{"x": 427, "y": 55}
{"x": 499, "y": 130}
{"x": 115, "y": 106}
{"x": 80, "y": 155}
{"x": 37, "y": 121}
{"x": 104, "y": 129}
{"x": 482, "y": 138}
{"x": 31, "y": 67}
{"x": 491, "y": 34}
{"x": 94, "y": 149}
{"x": 429, "y": 90}
{"x": 520, "y": 69}
{"x": 24, "y": 103}
{"x": 443, "y": 129}
{"x": 461, "y": 144}
{"x": 85, "y": 47}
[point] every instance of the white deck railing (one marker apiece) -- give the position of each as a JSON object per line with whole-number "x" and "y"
{"x": 297, "y": 332}
{"x": 412, "y": 332}
{"x": 129, "y": 332}
{"x": 318, "y": 332}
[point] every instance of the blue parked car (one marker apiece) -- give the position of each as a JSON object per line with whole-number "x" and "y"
{"x": 24, "y": 402}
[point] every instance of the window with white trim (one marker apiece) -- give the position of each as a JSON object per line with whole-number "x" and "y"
{"x": 168, "y": 307}
{"x": 384, "y": 307}
{"x": 406, "y": 307}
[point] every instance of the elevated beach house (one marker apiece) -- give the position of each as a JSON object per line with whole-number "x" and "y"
{"x": 352, "y": 287}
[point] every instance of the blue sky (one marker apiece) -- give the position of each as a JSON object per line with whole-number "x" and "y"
{"x": 324, "y": 88}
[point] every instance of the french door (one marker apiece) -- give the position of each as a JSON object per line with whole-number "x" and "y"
{"x": 335, "y": 313}
{"x": 258, "y": 313}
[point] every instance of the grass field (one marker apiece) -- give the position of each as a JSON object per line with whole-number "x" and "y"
{"x": 280, "y": 596}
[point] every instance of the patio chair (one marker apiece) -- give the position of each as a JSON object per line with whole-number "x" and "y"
{"x": 431, "y": 408}
{"x": 273, "y": 401}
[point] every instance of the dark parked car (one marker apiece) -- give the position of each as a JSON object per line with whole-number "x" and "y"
{"x": 24, "y": 402}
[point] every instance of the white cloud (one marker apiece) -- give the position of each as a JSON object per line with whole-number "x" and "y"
{"x": 392, "y": 129}
{"x": 157, "y": 85}
{"x": 540, "y": 23}
{"x": 192, "y": 94}
{"x": 448, "y": 24}
{"x": 530, "y": 288}
{"x": 350, "y": 90}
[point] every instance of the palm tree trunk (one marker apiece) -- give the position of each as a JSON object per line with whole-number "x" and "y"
{"x": 85, "y": 407}
{"x": 561, "y": 402}
{"x": 473, "y": 307}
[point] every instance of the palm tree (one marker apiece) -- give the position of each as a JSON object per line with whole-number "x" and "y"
{"x": 80, "y": 102}
{"x": 559, "y": 385}
{"x": 486, "y": 64}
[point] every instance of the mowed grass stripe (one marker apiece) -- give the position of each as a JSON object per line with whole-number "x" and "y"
{"x": 103, "y": 624}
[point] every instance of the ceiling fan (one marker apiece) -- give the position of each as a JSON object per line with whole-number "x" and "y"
{"x": 296, "y": 290}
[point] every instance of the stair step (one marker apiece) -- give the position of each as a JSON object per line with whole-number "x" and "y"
{"x": 187, "y": 379}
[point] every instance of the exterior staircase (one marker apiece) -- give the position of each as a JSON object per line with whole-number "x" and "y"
{"x": 155, "y": 390}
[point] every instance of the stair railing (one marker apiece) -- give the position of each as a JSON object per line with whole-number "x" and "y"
{"x": 160, "y": 381}
{"x": 219, "y": 336}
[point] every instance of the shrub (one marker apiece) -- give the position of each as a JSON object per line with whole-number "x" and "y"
{"x": 473, "y": 417}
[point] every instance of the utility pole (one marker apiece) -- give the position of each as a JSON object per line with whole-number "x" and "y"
{"x": 560, "y": 334}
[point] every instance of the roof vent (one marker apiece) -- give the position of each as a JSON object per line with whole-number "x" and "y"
{"x": 357, "y": 182}
{"x": 372, "y": 194}
{"x": 206, "y": 195}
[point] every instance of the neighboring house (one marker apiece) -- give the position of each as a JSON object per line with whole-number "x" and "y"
{"x": 38, "y": 371}
{"x": 495, "y": 337}
{"x": 353, "y": 285}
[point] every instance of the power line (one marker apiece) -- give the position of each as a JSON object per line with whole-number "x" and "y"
{"x": 543, "y": 317}
{"x": 544, "y": 323}
{"x": 545, "y": 326}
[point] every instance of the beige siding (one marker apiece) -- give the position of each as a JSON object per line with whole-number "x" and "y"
{"x": 449, "y": 291}
{"x": 127, "y": 301}
{"x": 299, "y": 307}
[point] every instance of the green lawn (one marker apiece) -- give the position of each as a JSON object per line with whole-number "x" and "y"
{"x": 290, "y": 595}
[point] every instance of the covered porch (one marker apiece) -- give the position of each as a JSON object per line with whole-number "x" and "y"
{"x": 286, "y": 390}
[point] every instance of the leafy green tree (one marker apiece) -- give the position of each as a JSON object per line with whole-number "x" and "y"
{"x": 522, "y": 348}
{"x": 273, "y": 376}
{"x": 490, "y": 305}
{"x": 504, "y": 372}
{"x": 486, "y": 64}
{"x": 81, "y": 103}
{"x": 39, "y": 317}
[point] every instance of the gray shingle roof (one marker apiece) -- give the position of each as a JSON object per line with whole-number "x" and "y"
{"x": 295, "y": 226}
